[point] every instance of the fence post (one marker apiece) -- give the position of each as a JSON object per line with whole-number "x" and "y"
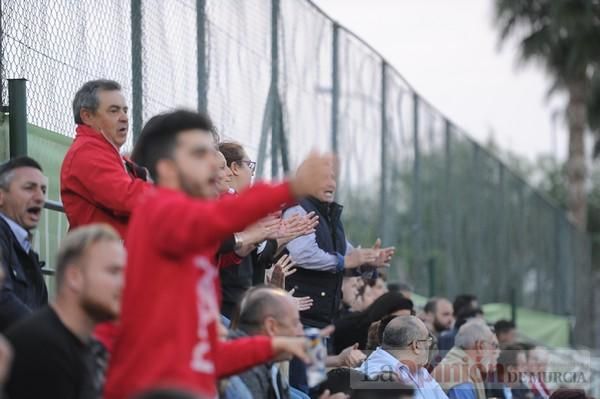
{"x": 335, "y": 87}
{"x": 416, "y": 183}
{"x": 384, "y": 215}
{"x": 17, "y": 117}
{"x": 275, "y": 116}
{"x": 450, "y": 263}
{"x": 201, "y": 61}
{"x": 137, "y": 90}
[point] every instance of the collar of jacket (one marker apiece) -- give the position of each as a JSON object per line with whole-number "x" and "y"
{"x": 90, "y": 132}
{"x": 333, "y": 209}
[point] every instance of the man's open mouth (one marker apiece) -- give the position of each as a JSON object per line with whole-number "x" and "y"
{"x": 35, "y": 211}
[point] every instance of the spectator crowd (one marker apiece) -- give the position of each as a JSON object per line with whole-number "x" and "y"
{"x": 183, "y": 278}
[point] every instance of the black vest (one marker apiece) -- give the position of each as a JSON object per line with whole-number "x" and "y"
{"x": 324, "y": 287}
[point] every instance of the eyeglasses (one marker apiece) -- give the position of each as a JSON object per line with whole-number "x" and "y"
{"x": 251, "y": 164}
{"x": 429, "y": 340}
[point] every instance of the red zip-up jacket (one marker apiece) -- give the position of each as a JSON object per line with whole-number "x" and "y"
{"x": 167, "y": 334}
{"x": 95, "y": 185}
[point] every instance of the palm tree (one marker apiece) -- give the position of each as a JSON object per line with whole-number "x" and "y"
{"x": 564, "y": 36}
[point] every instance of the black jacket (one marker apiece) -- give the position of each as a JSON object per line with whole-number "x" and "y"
{"x": 24, "y": 289}
{"x": 324, "y": 287}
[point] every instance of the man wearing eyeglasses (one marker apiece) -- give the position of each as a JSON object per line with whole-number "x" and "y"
{"x": 404, "y": 351}
{"x": 474, "y": 354}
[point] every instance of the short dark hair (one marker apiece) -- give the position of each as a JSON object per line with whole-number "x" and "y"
{"x": 9, "y": 166}
{"x": 465, "y": 314}
{"x": 567, "y": 393}
{"x": 503, "y": 326}
{"x": 399, "y": 286}
{"x": 87, "y": 96}
{"x": 340, "y": 380}
{"x": 158, "y": 137}
{"x": 462, "y": 301}
{"x": 508, "y": 357}
{"x": 431, "y": 305}
{"x": 232, "y": 151}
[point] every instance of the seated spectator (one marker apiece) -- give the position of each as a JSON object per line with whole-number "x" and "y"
{"x": 271, "y": 312}
{"x": 97, "y": 184}
{"x": 22, "y": 196}
{"x": 505, "y": 382}
{"x": 439, "y": 315}
{"x": 52, "y": 346}
{"x": 446, "y": 339}
{"x": 405, "y": 351}
{"x": 354, "y": 328}
{"x": 461, "y": 371}
{"x": 537, "y": 364}
{"x": 506, "y": 332}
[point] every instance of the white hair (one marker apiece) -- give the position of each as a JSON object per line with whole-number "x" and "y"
{"x": 471, "y": 332}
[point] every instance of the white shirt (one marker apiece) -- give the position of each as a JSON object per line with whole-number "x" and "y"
{"x": 381, "y": 361}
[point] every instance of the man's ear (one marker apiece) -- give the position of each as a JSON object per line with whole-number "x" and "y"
{"x": 270, "y": 326}
{"x": 166, "y": 170}
{"x": 86, "y": 116}
{"x": 73, "y": 278}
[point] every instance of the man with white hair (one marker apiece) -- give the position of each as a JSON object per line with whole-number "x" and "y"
{"x": 474, "y": 353}
{"x": 404, "y": 351}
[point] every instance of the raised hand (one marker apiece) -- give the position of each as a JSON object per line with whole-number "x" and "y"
{"x": 360, "y": 256}
{"x": 304, "y": 303}
{"x": 282, "y": 269}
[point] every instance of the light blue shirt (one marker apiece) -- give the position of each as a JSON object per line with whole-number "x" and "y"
{"x": 305, "y": 251}
{"x": 20, "y": 233}
{"x": 381, "y": 361}
{"x": 463, "y": 391}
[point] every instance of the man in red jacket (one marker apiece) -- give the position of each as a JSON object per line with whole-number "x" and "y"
{"x": 168, "y": 329}
{"x": 97, "y": 184}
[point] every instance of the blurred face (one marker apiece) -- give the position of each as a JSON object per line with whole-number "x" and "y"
{"x": 102, "y": 280}
{"x": 538, "y": 360}
{"x": 363, "y": 301}
{"x": 489, "y": 353}
{"x": 327, "y": 194}
{"x": 243, "y": 171}
{"x": 508, "y": 337}
{"x": 110, "y": 118}
{"x": 24, "y": 198}
{"x": 350, "y": 286}
{"x": 194, "y": 168}
{"x": 224, "y": 174}
{"x": 443, "y": 317}
{"x": 422, "y": 345}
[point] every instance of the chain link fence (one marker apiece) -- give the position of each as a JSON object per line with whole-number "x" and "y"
{"x": 281, "y": 77}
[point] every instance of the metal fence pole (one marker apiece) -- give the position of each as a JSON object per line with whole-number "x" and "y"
{"x": 275, "y": 116}
{"x": 449, "y": 264}
{"x": 335, "y": 87}
{"x": 202, "y": 60}
{"x": 17, "y": 117}
{"x": 416, "y": 194}
{"x": 137, "y": 90}
{"x": 384, "y": 213}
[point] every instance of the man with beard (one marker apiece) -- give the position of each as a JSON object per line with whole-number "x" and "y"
{"x": 52, "y": 356}
{"x": 167, "y": 334}
{"x": 439, "y": 315}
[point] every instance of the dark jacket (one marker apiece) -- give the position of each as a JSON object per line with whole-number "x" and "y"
{"x": 258, "y": 379}
{"x": 324, "y": 287}
{"x": 24, "y": 289}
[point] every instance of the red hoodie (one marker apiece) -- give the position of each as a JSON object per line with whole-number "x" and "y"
{"x": 95, "y": 185}
{"x": 169, "y": 313}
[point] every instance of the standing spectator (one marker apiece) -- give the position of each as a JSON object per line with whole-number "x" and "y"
{"x": 97, "y": 184}
{"x": 22, "y": 196}
{"x": 52, "y": 355}
{"x": 438, "y": 312}
{"x": 323, "y": 256}
{"x": 506, "y": 332}
{"x": 464, "y": 301}
{"x": 405, "y": 351}
{"x": 173, "y": 268}
{"x": 461, "y": 372}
